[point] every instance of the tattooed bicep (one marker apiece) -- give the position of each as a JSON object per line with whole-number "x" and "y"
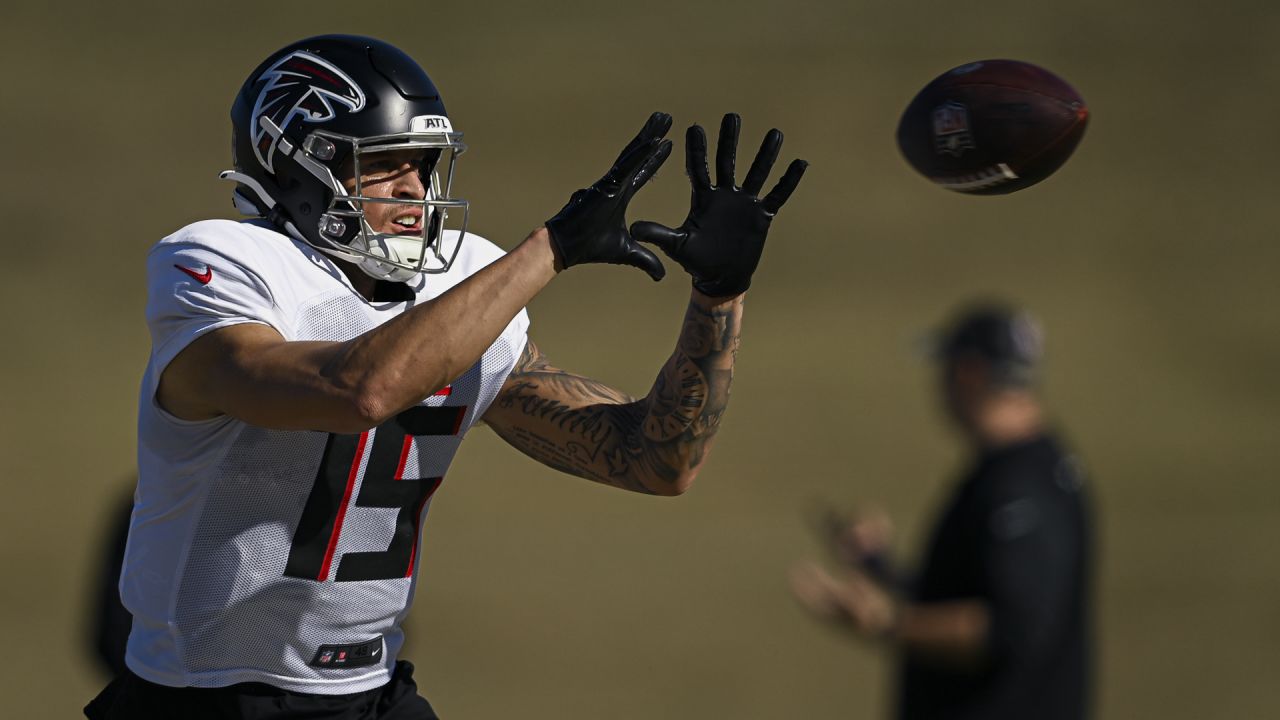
{"x": 533, "y": 371}
{"x": 531, "y": 360}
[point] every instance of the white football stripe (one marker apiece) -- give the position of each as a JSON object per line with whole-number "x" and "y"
{"x": 981, "y": 179}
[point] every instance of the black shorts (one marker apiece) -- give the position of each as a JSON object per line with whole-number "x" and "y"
{"x": 131, "y": 697}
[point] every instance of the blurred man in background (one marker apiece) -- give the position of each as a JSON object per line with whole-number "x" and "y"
{"x": 996, "y": 623}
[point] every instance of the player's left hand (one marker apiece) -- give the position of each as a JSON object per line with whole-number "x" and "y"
{"x": 721, "y": 240}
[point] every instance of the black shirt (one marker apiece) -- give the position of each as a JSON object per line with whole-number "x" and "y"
{"x": 1015, "y": 535}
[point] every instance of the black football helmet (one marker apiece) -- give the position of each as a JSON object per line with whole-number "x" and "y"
{"x": 305, "y": 121}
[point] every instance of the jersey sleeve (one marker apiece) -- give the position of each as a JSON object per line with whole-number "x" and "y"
{"x": 520, "y": 328}
{"x": 193, "y": 290}
{"x": 479, "y": 252}
{"x": 1031, "y": 551}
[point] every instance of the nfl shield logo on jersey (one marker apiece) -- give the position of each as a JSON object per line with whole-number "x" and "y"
{"x": 951, "y": 134}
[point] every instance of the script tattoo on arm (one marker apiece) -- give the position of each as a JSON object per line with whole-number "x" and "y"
{"x": 653, "y": 444}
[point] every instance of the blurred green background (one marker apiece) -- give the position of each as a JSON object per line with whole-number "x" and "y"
{"x": 1150, "y": 258}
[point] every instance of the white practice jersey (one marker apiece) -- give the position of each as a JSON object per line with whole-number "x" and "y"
{"x": 283, "y": 557}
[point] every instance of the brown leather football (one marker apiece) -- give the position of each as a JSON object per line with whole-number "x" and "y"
{"x": 992, "y": 127}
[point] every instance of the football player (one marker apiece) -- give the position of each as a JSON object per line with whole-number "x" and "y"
{"x": 314, "y": 368}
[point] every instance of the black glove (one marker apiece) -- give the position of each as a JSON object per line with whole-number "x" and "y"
{"x": 720, "y": 242}
{"x": 592, "y": 227}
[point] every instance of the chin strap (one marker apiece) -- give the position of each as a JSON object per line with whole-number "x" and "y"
{"x": 264, "y": 206}
{"x": 244, "y": 204}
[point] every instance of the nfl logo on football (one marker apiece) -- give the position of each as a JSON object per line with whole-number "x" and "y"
{"x": 951, "y": 129}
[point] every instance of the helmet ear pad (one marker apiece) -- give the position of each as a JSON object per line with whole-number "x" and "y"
{"x": 308, "y": 187}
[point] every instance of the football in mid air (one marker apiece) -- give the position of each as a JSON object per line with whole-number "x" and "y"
{"x": 992, "y": 127}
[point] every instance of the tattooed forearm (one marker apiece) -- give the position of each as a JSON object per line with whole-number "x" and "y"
{"x": 654, "y": 444}
{"x": 692, "y": 392}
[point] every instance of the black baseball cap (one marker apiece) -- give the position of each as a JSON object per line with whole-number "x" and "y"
{"x": 1009, "y": 338}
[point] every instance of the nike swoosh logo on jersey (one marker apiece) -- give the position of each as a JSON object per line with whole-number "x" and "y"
{"x": 202, "y": 278}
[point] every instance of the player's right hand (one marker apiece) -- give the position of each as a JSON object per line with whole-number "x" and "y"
{"x": 722, "y": 238}
{"x": 592, "y": 228}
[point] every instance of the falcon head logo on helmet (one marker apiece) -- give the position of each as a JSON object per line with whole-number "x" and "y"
{"x": 300, "y": 86}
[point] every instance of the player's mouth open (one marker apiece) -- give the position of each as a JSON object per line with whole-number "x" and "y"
{"x": 407, "y": 223}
